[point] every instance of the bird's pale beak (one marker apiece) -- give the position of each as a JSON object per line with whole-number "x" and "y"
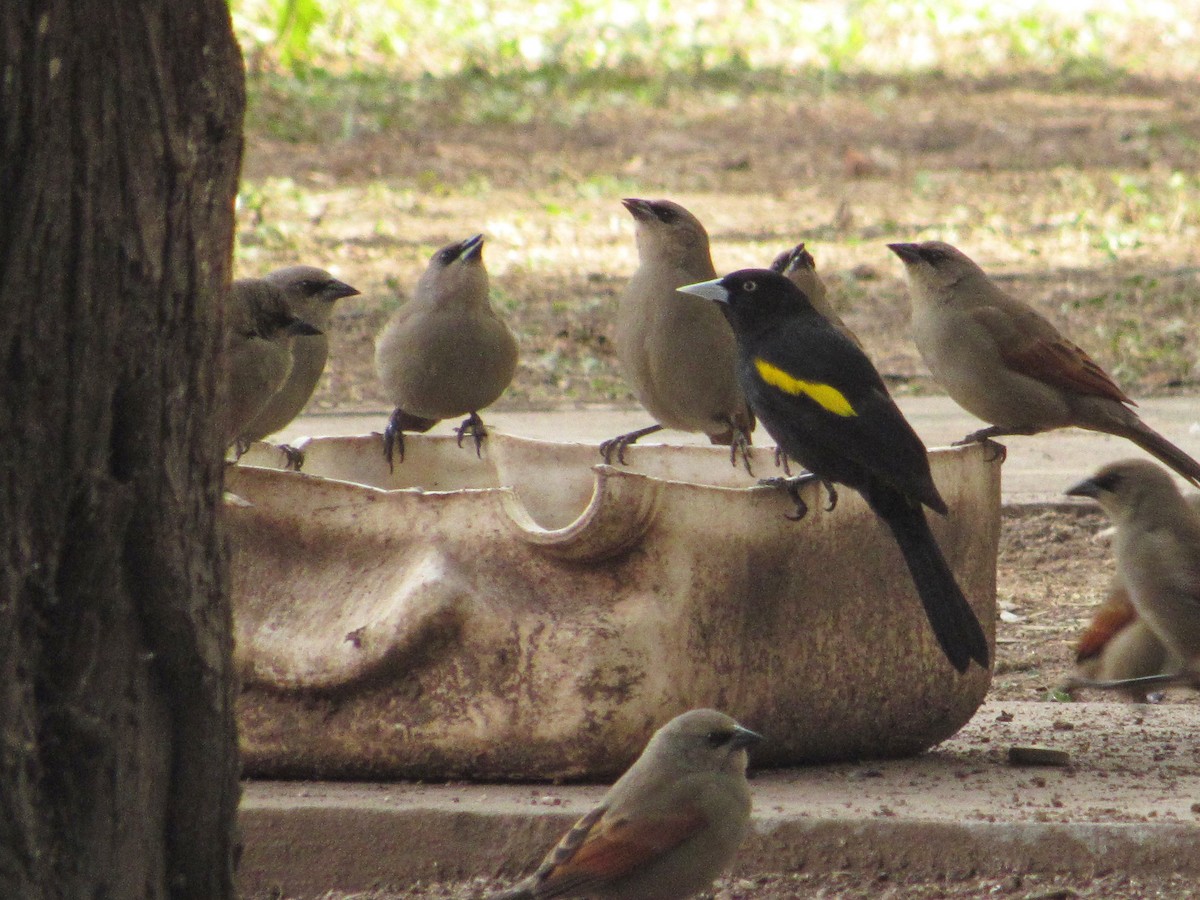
{"x": 709, "y": 290}
{"x": 744, "y": 737}
{"x": 1085, "y": 488}
{"x": 908, "y": 253}
{"x": 472, "y": 248}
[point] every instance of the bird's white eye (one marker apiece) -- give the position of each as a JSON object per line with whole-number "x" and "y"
{"x": 749, "y": 286}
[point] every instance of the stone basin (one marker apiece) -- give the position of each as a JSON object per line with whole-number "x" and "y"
{"x": 534, "y": 614}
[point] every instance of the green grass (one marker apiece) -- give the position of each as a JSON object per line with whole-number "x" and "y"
{"x": 354, "y": 66}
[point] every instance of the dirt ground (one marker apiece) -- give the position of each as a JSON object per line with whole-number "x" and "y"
{"x": 1076, "y": 199}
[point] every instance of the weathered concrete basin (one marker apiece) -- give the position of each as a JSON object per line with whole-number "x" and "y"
{"x": 533, "y": 615}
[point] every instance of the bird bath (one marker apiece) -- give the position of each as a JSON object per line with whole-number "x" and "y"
{"x": 535, "y": 614}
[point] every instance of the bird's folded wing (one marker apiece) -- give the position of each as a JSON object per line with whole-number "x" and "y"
{"x": 1111, "y": 618}
{"x": 611, "y": 847}
{"x": 1033, "y": 347}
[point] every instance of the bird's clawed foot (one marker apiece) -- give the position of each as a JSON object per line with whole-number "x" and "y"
{"x": 393, "y": 438}
{"x": 293, "y": 457}
{"x": 792, "y": 484}
{"x": 781, "y": 462}
{"x": 472, "y": 425}
{"x": 618, "y": 444}
{"x": 741, "y": 444}
{"x": 986, "y": 436}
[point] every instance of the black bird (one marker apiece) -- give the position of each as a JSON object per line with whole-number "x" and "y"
{"x": 826, "y": 406}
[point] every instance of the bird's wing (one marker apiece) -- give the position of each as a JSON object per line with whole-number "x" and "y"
{"x": 1114, "y": 615}
{"x": 1029, "y": 344}
{"x": 825, "y": 391}
{"x": 602, "y": 847}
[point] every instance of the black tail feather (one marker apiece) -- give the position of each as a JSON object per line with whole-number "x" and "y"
{"x": 953, "y": 621}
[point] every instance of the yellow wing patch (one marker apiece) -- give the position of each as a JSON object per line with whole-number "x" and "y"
{"x": 829, "y": 397}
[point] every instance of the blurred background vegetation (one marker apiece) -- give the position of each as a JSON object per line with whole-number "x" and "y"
{"x": 1056, "y": 141}
{"x": 514, "y": 59}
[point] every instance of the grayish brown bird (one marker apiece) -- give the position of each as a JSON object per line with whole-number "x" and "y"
{"x": 1117, "y": 645}
{"x": 310, "y": 293}
{"x": 1157, "y": 547}
{"x": 799, "y": 267}
{"x": 1004, "y": 362}
{"x": 667, "y": 828}
{"x": 257, "y": 352}
{"x": 446, "y": 352}
{"x": 676, "y": 352}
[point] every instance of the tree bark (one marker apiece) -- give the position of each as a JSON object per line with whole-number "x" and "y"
{"x": 121, "y": 143}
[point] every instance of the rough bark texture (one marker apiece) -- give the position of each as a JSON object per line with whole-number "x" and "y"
{"x": 121, "y": 141}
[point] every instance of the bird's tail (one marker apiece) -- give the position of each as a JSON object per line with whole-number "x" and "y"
{"x": 953, "y": 621}
{"x": 1163, "y": 450}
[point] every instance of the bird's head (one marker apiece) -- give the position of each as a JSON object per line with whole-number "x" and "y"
{"x": 456, "y": 271}
{"x": 1129, "y": 487}
{"x": 668, "y": 233}
{"x": 705, "y": 740}
{"x": 934, "y": 267}
{"x": 311, "y": 292}
{"x": 753, "y": 298}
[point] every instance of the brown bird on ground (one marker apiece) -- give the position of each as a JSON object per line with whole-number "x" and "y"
{"x": 1005, "y": 363}
{"x": 257, "y": 352}
{"x": 311, "y": 294}
{"x": 676, "y": 352}
{"x": 1118, "y": 646}
{"x": 799, "y": 267}
{"x": 446, "y": 352}
{"x": 667, "y": 828}
{"x": 1157, "y": 546}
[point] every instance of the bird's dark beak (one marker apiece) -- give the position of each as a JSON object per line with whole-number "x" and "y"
{"x": 709, "y": 290}
{"x": 1085, "y": 488}
{"x": 339, "y": 289}
{"x": 908, "y": 253}
{"x": 472, "y": 248}
{"x": 300, "y": 328}
{"x": 639, "y": 209}
{"x": 744, "y": 737}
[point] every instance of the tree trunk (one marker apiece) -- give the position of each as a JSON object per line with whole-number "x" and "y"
{"x": 121, "y": 129}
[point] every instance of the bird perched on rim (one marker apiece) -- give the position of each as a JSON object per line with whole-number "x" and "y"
{"x": 827, "y": 407}
{"x": 311, "y": 294}
{"x": 1004, "y": 362}
{"x": 1157, "y": 547}
{"x": 257, "y": 352}
{"x": 799, "y": 267}
{"x": 668, "y": 827}
{"x": 446, "y": 352}
{"x": 676, "y": 354}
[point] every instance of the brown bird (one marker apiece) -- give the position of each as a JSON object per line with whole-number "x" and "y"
{"x": 1005, "y": 363}
{"x": 799, "y": 267}
{"x": 1157, "y": 547}
{"x": 676, "y": 352}
{"x": 257, "y": 352}
{"x": 446, "y": 352}
{"x": 667, "y": 828}
{"x": 1118, "y": 646}
{"x": 310, "y": 293}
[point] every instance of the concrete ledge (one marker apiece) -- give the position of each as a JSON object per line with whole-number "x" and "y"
{"x": 1129, "y": 802}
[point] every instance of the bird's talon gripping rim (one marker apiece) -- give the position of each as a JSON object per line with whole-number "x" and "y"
{"x": 294, "y": 458}
{"x": 791, "y": 485}
{"x": 472, "y": 425}
{"x": 833, "y": 495}
{"x": 998, "y": 451}
{"x": 741, "y": 444}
